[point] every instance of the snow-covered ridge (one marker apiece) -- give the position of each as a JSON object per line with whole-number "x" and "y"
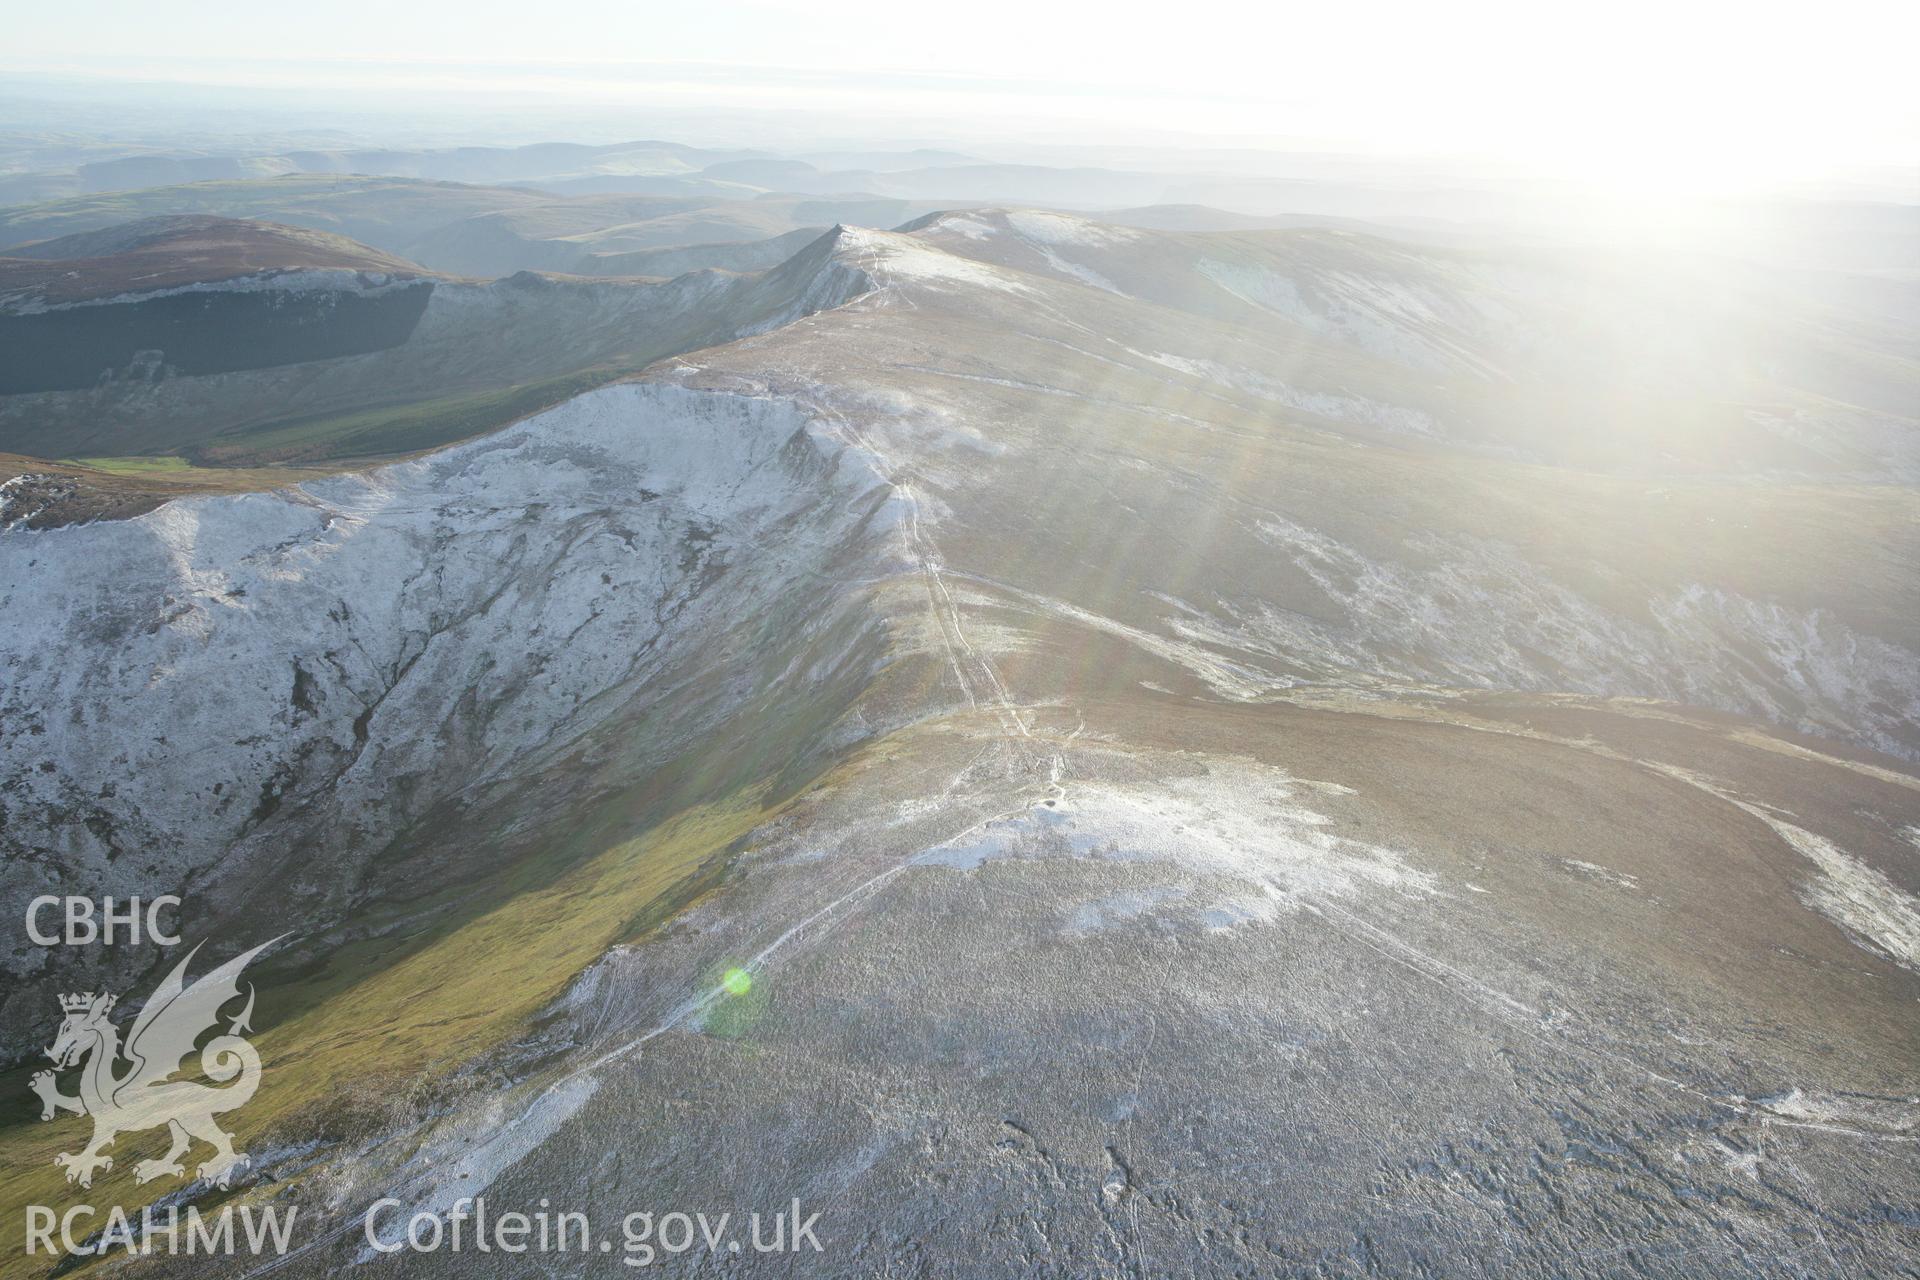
{"x": 1053, "y": 239}
{"x": 890, "y": 256}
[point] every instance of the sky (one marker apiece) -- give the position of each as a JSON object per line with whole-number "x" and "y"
{"x": 1660, "y": 93}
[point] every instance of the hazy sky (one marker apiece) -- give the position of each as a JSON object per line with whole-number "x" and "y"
{"x": 1693, "y": 91}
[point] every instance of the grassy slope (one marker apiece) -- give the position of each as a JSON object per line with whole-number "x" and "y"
{"x": 395, "y": 430}
{"x": 136, "y": 466}
{"x": 289, "y": 452}
{"x": 393, "y": 1019}
{"x": 406, "y": 1013}
{"x": 119, "y": 488}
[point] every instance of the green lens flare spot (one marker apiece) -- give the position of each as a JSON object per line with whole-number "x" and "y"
{"x": 737, "y": 982}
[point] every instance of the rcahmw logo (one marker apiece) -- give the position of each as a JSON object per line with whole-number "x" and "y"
{"x": 145, "y": 1092}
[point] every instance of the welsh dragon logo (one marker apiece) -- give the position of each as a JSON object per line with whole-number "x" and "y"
{"x": 144, "y": 1093}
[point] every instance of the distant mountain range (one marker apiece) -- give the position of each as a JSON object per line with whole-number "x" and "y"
{"x": 1306, "y": 186}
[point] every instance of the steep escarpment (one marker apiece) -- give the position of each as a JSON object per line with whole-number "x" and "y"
{"x": 278, "y": 687}
{"x": 186, "y": 296}
{"x": 196, "y": 331}
{"x": 453, "y": 357}
{"x": 153, "y": 255}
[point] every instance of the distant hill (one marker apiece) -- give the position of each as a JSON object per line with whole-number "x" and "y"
{"x": 172, "y": 250}
{"x": 386, "y": 213}
{"x": 247, "y": 344}
{"x": 191, "y": 295}
{"x": 456, "y": 164}
{"x": 597, "y": 234}
{"x": 484, "y": 231}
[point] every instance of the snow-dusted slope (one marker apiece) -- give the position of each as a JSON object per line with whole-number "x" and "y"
{"x": 198, "y": 691}
{"x": 1127, "y": 755}
{"x": 1485, "y": 614}
{"x": 1636, "y": 361}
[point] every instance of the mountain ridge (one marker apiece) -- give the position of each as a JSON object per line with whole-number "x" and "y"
{"x": 1060, "y": 662}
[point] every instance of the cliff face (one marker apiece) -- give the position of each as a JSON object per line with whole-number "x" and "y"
{"x": 272, "y": 368}
{"x": 206, "y": 330}
{"x": 192, "y": 295}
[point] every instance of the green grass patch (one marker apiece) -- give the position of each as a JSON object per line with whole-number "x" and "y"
{"x": 397, "y": 429}
{"x": 391, "y": 1017}
{"x": 378, "y": 1030}
{"x": 136, "y": 466}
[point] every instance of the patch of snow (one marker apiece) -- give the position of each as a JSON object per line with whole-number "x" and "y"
{"x": 1064, "y": 229}
{"x": 1860, "y": 1116}
{"x": 1814, "y": 672}
{"x": 463, "y": 1161}
{"x": 889, "y": 258}
{"x": 1876, "y": 914}
{"x": 971, "y": 228}
{"x": 16, "y": 500}
{"x": 1867, "y": 906}
{"x": 1239, "y": 821}
{"x": 1475, "y": 613}
{"x": 1594, "y": 871}
{"x": 1084, "y": 274}
{"x": 1091, "y": 917}
{"x": 1048, "y": 233}
{"x": 321, "y": 280}
{"x": 1356, "y": 410}
{"x": 1404, "y": 322}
